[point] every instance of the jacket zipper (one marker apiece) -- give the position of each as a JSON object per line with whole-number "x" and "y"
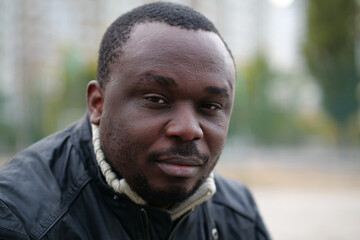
{"x": 179, "y": 223}
{"x": 146, "y": 223}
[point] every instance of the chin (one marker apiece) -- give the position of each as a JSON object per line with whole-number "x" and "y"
{"x": 166, "y": 196}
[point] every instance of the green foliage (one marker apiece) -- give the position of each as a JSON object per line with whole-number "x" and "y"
{"x": 7, "y": 131}
{"x": 40, "y": 112}
{"x": 68, "y": 102}
{"x": 330, "y": 53}
{"x": 255, "y": 115}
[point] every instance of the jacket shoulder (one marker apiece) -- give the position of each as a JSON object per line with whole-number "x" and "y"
{"x": 235, "y": 211}
{"x": 234, "y": 195}
{"x": 38, "y": 184}
{"x": 10, "y": 227}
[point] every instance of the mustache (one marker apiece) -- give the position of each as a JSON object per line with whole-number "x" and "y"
{"x": 183, "y": 150}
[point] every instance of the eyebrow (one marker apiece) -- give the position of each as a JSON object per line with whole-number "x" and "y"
{"x": 168, "y": 81}
{"x": 217, "y": 91}
{"x": 163, "y": 80}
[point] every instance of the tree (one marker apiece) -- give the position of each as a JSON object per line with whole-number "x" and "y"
{"x": 68, "y": 103}
{"x": 330, "y": 53}
{"x": 255, "y": 114}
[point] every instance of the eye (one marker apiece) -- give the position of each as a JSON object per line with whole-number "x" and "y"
{"x": 212, "y": 106}
{"x": 153, "y": 100}
{"x": 156, "y": 99}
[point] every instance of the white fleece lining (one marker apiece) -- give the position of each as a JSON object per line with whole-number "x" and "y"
{"x": 205, "y": 191}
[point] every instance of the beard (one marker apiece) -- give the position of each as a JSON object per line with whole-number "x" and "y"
{"x": 171, "y": 195}
{"x": 161, "y": 197}
{"x": 124, "y": 160}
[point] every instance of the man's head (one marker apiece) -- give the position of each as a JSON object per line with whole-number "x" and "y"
{"x": 165, "y": 110}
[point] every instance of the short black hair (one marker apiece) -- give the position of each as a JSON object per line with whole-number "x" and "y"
{"x": 165, "y": 12}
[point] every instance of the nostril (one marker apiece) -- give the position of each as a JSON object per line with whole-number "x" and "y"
{"x": 199, "y": 133}
{"x": 185, "y": 130}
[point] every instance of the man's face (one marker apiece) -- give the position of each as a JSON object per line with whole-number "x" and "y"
{"x": 166, "y": 110}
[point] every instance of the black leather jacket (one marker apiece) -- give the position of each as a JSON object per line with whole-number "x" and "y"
{"x": 54, "y": 190}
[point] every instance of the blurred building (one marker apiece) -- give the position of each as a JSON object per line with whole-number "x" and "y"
{"x": 35, "y": 33}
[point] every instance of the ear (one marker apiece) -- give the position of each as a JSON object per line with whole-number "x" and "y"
{"x": 95, "y": 101}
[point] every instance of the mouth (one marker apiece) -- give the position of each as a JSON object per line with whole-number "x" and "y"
{"x": 179, "y": 166}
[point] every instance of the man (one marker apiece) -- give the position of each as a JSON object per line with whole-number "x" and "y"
{"x": 139, "y": 164}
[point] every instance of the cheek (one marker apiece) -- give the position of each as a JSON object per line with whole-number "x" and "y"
{"x": 122, "y": 151}
{"x": 113, "y": 139}
{"x": 126, "y": 140}
{"x": 215, "y": 137}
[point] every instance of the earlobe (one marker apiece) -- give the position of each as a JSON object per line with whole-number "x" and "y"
{"x": 95, "y": 101}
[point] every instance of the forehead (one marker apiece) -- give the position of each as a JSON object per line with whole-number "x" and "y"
{"x": 154, "y": 45}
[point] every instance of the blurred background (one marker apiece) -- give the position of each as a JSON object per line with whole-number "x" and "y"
{"x": 295, "y": 131}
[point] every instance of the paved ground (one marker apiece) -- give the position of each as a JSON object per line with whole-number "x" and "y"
{"x": 303, "y": 203}
{"x": 297, "y": 214}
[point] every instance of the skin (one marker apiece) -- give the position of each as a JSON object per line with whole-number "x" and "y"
{"x": 165, "y": 112}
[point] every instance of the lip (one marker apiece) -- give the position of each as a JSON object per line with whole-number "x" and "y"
{"x": 179, "y": 166}
{"x": 179, "y": 160}
{"x": 176, "y": 170}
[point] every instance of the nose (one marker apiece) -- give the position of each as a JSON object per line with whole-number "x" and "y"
{"x": 184, "y": 125}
